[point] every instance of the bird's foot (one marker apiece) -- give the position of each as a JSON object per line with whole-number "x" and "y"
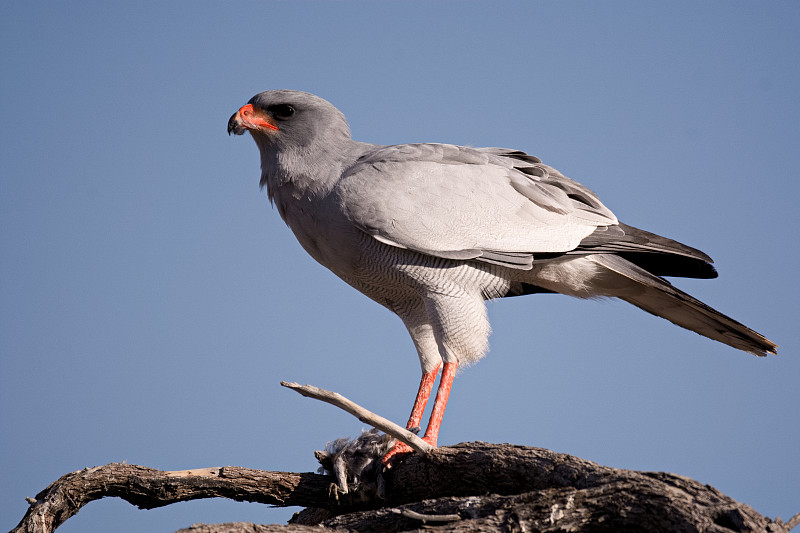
{"x": 400, "y": 449}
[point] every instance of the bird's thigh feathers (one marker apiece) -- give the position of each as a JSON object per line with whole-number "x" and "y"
{"x": 460, "y": 326}
{"x": 420, "y": 328}
{"x": 447, "y": 316}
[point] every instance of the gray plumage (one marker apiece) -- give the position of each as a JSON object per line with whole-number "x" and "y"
{"x": 431, "y": 231}
{"x": 356, "y": 463}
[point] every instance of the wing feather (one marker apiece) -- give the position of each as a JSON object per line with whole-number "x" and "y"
{"x": 494, "y": 205}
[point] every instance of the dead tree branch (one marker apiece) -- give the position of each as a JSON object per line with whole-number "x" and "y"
{"x": 462, "y": 488}
{"x": 489, "y": 487}
{"x": 148, "y": 488}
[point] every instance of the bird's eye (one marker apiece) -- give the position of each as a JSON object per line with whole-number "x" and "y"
{"x": 281, "y": 111}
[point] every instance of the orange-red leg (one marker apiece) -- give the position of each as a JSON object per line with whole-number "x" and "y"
{"x": 446, "y": 383}
{"x": 425, "y": 388}
{"x": 424, "y": 392}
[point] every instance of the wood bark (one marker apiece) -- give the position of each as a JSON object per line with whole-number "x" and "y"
{"x": 468, "y": 487}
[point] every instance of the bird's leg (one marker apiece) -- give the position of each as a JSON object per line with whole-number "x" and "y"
{"x": 424, "y": 392}
{"x": 435, "y": 422}
{"x": 445, "y": 384}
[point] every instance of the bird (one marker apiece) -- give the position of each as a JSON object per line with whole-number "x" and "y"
{"x": 432, "y": 231}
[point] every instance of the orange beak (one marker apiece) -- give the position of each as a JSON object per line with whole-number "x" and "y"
{"x": 249, "y": 118}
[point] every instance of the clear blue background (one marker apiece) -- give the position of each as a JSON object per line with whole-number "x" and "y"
{"x": 152, "y": 300}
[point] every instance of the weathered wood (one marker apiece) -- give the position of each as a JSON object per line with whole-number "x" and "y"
{"x": 506, "y": 487}
{"x": 247, "y": 527}
{"x": 489, "y": 487}
{"x": 148, "y": 488}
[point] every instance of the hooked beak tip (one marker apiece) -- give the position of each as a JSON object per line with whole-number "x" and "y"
{"x": 235, "y": 126}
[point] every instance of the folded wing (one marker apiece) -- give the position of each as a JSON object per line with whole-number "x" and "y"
{"x": 490, "y": 204}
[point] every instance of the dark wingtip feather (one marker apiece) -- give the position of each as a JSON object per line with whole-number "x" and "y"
{"x": 656, "y": 254}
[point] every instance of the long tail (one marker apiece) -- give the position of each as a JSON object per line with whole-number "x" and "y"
{"x": 657, "y": 296}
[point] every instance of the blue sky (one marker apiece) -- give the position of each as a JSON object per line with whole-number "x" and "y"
{"x": 151, "y": 300}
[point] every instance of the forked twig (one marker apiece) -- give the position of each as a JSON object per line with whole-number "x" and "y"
{"x": 368, "y": 417}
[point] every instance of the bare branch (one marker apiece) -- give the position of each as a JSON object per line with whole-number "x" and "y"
{"x": 148, "y": 488}
{"x": 249, "y": 527}
{"x": 366, "y": 416}
{"x": 491, "y": 487}
{"x": 426, "y": 518}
